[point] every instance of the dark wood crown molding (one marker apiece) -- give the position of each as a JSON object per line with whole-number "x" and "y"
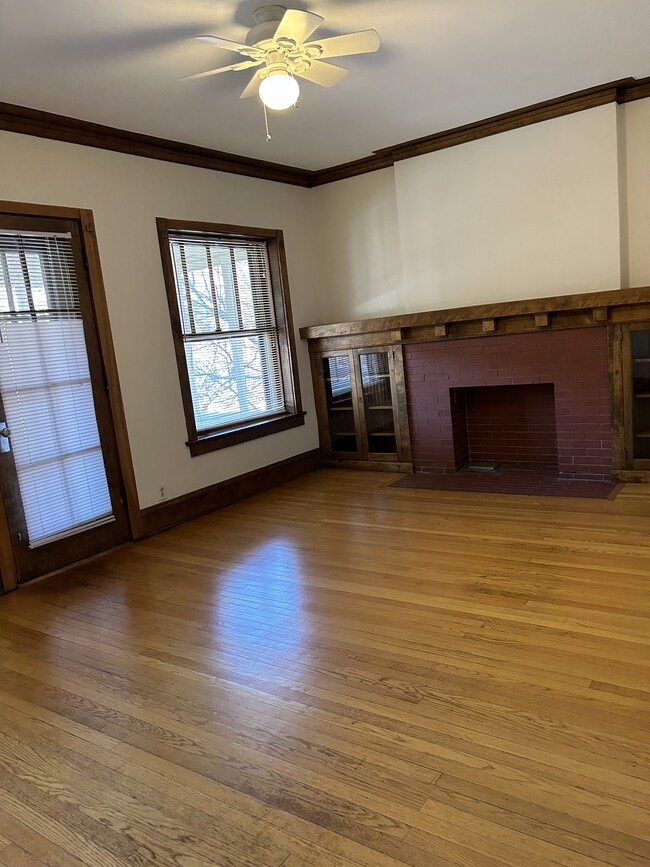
{"x": 44, "y": 124}
{"x": 624, "y": 90}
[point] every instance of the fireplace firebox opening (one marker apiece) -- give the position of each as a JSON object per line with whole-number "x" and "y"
{"x": 504, "y": 424}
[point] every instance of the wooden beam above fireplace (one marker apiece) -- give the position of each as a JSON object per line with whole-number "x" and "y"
{"x": 507, "y": 317}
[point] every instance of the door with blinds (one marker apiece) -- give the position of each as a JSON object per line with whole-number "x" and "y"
{"x": 59, "y": 472}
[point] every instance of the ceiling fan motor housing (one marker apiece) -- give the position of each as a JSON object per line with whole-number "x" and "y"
{"x": 266, "y": 20}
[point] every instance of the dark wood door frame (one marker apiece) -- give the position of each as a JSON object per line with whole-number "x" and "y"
{"x": 631, "y": 462}
{"x": 85, "y": 220}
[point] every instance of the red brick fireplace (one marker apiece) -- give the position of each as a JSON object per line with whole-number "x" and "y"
{"x": 524, "y": 398}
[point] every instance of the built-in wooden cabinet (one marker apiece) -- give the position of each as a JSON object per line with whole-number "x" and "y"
{"x": 636, "y": 355}
{"x": 361, "y": 405}
{"x": 358, "y": 373}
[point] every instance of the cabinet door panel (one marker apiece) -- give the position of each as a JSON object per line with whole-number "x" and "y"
{"x": 338, "y": 374}
{"x": 640, "y": 345}
{"x": 377, "y": 397}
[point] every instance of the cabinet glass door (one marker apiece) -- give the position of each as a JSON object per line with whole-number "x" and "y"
{"x": 340, "y": 404}
{"x": 378, "y": 403}
{"x": 641, "y": 393}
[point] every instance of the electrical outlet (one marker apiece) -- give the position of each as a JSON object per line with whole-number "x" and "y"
{"x": 162, "y": 495}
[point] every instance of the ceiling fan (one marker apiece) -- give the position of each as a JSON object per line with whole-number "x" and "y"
{"x": 278, "y": 44}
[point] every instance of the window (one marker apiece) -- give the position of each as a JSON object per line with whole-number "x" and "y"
{"x": 231, "y": 320}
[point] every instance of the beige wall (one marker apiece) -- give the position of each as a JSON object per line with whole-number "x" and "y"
{"x": 523, "y": 214}
{"x": 359, "y": 251}
{"x": 635, "y": 143}
{"x": 126, "y": 194}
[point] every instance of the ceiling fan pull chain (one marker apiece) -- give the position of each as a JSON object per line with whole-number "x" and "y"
{"x": 266, "y": 124}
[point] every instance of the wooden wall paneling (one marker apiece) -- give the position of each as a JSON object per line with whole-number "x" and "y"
{"x": 617, "y": 386}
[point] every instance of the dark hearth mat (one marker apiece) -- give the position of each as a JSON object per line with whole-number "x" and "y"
{"x": 525, "y": 482}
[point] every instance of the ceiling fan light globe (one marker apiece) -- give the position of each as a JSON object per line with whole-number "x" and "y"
{"x": 279, "y": 91}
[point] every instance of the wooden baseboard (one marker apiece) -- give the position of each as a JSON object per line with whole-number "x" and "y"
{"x": 162, "y": 516}
{"x": 374, "y": 466}
{"x": 631, "y": 476}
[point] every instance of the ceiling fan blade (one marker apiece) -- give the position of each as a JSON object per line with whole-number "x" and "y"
{"x": 252, "y": 87}
{"x": 325, "y": 74}
{"x": 298, "y": 25}
{"x": 246, "y": 64}
{"x": 363, "y": 42}
{"x": 229, "y": 45}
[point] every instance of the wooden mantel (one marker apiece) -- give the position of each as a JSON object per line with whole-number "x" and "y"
{"x": 507, "y": 317}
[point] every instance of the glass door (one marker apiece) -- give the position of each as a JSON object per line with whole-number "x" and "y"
{"x": 59, "y": 476}
{"x": 339, "y": 399}
{"x": 378, "y": 409}
{"x": 640, "y": 345}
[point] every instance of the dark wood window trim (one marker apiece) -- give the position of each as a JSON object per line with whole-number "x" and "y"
{"x": 202, "y": 443}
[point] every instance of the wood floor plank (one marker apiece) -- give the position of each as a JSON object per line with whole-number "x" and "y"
{"x": 14, "y": 856}
{"x": 340, "y": 674}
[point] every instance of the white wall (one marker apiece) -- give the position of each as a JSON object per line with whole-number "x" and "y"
{"x": 126, "y": 194}
{"x": 523, "y": 214}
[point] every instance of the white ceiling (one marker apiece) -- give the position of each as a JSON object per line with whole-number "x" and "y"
{"x": 442, "y": 63}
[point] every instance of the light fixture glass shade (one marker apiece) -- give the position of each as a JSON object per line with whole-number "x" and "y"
{"x": 279, "y": 91}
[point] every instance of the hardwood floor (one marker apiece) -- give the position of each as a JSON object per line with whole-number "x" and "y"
{"x": 340, "y": 674}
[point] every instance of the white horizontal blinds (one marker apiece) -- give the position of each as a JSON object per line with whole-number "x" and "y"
{"x": 46, "y": 388}
{"x": 229, "y": 328}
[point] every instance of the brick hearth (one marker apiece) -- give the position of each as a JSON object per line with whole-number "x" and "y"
{"x": 574, "y": 363}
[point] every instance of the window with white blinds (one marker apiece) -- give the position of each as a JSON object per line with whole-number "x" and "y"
{"x": 229, "y": 328}
{"x": 46, "y": 389}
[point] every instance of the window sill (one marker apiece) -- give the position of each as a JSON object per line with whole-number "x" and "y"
{"x": 211, "y": 442}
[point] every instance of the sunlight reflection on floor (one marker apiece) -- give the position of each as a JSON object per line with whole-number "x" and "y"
{"x": 259, "y": 606}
